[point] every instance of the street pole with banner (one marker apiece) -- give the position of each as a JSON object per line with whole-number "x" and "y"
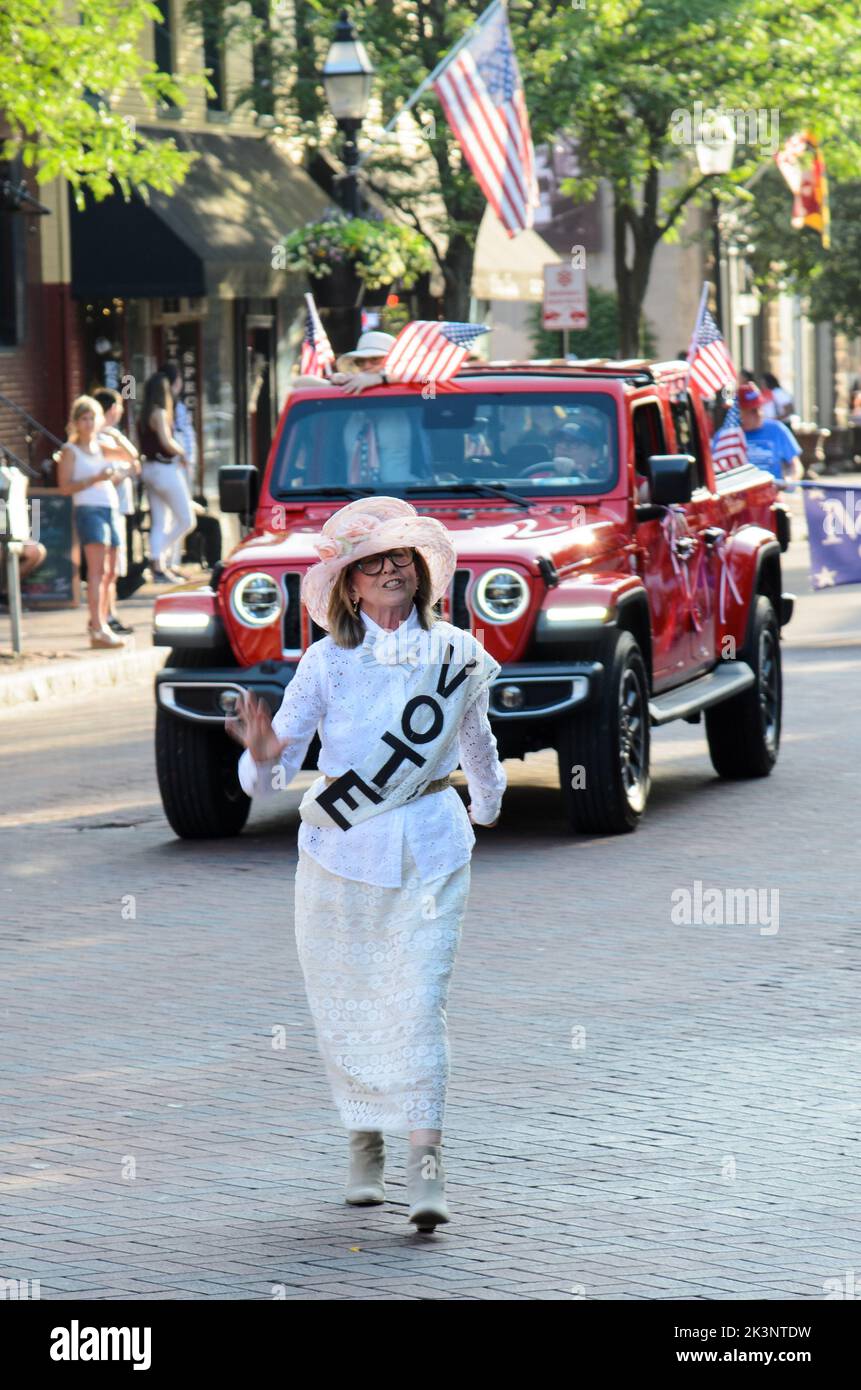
{"x": 566, "y": 305}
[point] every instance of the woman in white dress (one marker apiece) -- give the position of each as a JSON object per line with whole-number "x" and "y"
{"x": 399, "y": 698}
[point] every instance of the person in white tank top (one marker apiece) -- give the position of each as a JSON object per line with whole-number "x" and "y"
{"x": 87, "y": 472}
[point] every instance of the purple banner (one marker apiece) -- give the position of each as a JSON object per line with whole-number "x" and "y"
{"x": 834, "y": 528}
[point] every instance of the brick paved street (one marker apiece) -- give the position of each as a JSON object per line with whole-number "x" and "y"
{"x": 699, "y": 1139}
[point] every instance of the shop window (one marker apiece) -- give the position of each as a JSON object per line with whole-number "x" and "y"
{"x": 163, "y": 38}
{"x": 212, "y": 22}
{"x": 262, "y": 60}
{"x": 13, "y": 253}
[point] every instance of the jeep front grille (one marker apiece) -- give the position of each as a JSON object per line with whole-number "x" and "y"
{"x": 460, "y": 615}
{"x": 291, "y": 635}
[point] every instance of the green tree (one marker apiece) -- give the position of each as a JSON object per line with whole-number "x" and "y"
{"x": 783, "y": 257}
{"x": 405, "y": 39}
{"x": 61, "y": 79}
{"x": 618, "y": 75}
{"x": 628, "y": 74}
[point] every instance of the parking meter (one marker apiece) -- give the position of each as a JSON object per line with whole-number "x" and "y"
{"x": 14, "y": 531}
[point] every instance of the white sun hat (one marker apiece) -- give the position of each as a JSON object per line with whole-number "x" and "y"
{"x": 367, "y": 527}
{"x": 372, "y": 344}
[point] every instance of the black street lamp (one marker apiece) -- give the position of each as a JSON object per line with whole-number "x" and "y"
{"x": 347, "y": 76}
{"x": 715, "y": 149}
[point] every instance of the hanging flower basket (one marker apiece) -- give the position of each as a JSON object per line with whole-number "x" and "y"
{"x": 341, "y": 286}
{"x": 345, "y": 256}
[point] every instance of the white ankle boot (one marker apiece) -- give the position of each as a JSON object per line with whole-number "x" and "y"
{"x": 426, "y": 1186}
{"x": 365, "y": 1186}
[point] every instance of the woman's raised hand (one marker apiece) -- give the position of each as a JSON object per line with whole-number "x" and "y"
{"x": 252, "y": 727}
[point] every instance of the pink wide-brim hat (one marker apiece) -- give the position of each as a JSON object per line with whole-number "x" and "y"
{"x": 365, "y": 527}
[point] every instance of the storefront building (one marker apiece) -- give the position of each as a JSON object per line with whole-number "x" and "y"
{"x": 189, "y": 279}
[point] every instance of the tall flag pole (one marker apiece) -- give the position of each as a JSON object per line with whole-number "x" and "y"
{"x": 479, "y": 87}
{"x": 317, "y": 355}
{"x": 807, "y": 183}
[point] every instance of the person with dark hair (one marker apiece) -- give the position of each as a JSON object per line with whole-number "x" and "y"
{"x": 784, "y": 405}
{"x": 112, "y": 404}
{"x": 187, "y": 436}
{"x": 164, "y": 477}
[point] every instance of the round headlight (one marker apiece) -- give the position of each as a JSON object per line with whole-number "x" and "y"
{"x": 256, "y": 600}
{"x": 501, "y": 596}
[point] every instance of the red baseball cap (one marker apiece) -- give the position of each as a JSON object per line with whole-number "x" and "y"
{"x": 749, "y": 395}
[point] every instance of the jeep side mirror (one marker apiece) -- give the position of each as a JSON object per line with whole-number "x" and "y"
{"x": 238, "y": 488}
{"x": 671, "y": 477}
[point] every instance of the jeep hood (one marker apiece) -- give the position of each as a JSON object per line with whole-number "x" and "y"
{"x": 566, "y": 533}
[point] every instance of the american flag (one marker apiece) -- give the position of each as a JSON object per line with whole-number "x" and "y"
{"x": 482, "y": 96}
{"x": 729, "y": 446}
{"x": 709, "y": 362}
{"x": 364, "y": 465}
{"x": 430, "y": 351}
{"x": 317, "y": 354}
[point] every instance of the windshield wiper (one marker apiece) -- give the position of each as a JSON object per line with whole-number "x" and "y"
{"x": 328, "y": 492}
{"x": 481, "y": 489}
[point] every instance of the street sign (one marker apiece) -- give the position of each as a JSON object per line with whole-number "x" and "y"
{"x": 565, "y": 302}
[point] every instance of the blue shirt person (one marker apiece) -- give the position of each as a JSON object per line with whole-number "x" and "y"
{"x": 770, "y": 445}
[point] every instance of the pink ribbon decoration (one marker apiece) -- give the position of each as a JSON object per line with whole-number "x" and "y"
{"x": 674, "y": 527}
{"x": 726, "y": 578}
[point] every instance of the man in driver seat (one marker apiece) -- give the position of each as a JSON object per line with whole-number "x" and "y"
{"x": 578, "y": 452}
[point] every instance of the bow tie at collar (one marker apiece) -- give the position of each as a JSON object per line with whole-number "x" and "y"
{"x": 399, "y": 648}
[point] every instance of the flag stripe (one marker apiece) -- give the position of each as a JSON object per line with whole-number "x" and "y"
{"x": 478, "y": 152}
{"x": 505, "y": 169}
{"x": 430, "y": 351}
{"x": 481, "y": 94}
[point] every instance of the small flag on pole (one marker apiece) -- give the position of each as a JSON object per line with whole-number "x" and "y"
{"x": 429, "y": 350}
{"x": 482, "y": 96}
{"x": 729, "y": 445}
{"x": 317, "y": 355}
{"x": 709, "y": 362}
{"x": 807, "y": 183}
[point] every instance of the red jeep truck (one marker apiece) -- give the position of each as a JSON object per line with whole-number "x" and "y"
{"x": 619, "y": 581}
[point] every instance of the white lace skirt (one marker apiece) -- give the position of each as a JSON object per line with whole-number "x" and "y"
{"x": 377, "y": 964}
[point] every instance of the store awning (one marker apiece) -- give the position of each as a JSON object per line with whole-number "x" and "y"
{"x": 213, "y": 235}
{"x": 509, "y": 267}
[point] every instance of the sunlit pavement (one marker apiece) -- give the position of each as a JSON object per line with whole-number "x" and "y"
{"x": 638, "y": 1108}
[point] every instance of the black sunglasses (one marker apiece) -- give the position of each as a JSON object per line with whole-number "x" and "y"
{"x": 373, "y": 564}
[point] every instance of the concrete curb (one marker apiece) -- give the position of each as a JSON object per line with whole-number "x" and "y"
{"x": 52, "y": 682}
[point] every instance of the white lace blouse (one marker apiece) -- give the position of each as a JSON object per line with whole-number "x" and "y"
{"x": 349, "y": 701}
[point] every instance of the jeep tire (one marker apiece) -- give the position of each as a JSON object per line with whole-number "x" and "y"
{"x": 197, "y": 770}
{"x": 603, "y": 748}
{"x": 744, "y": 732}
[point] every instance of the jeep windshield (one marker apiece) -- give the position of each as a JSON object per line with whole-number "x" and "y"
{"x": 524, "y": 443}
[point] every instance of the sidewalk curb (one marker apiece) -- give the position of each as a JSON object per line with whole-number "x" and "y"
{"x": 40, "y": 684}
